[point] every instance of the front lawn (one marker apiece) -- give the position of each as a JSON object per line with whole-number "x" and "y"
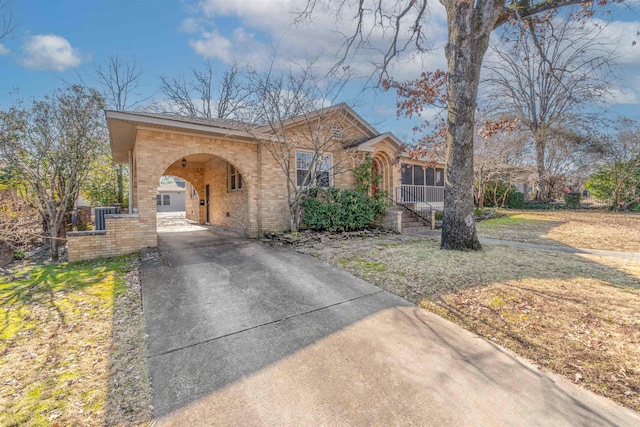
{"x": 579, "y": 229}
{"x": 576, "y": 315}
{"x": 72, "y": 345}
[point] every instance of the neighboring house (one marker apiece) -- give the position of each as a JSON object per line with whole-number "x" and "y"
{"x": 171, "y": 197}
{"x": 233, "y": 180}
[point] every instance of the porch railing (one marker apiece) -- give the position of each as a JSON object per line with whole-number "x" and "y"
{"x": 419, "y": 194}
{"x": 412, "y": 202}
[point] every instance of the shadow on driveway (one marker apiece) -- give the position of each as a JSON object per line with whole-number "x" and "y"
{"x": 246, "y": 334}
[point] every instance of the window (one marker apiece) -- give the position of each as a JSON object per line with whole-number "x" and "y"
{"x": 440, "y": 177}
{"x": 163, "y": 199}
{"x": 407, "y": 175}
{"x": 306, "y": 177}
{"x": 194, "y": 193}
{"x": 235, "y": 179}
{"x": 431, "y": 177}
{"x": 418, "y": 175}
{"x": 336, "y": 131}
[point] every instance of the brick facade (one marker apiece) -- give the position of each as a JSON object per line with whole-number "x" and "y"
{"x": 124, "y": 234}
{"x": 156, "y": 146}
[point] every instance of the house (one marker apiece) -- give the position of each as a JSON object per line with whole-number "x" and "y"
{"x": 171, "y": 197}
{"x": 234, "y": 179}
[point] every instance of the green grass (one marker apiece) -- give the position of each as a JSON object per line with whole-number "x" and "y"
{"x": 505, "y": 221}
{"x": 55, "y": 339}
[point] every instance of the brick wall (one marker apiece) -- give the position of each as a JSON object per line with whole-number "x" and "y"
{"x": 227, "y": 209}
{"x": 390, "y": 220}
{"x": 124, "y": 234}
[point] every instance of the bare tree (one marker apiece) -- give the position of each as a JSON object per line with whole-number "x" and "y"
{"x": 6, "y": 20}
{"x": 470, "y": 24}
{"x": 118, "y": 80}
{"x": 49, "y": 148}
{"x": 20, "y": 227}
{"x": 202, "y": 96}
{"x": 498, "y": 158}
{"x": 545, "y": 73}
{"x": 307, "y": 130}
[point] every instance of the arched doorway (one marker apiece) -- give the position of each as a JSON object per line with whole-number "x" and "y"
{"x": 217, "y": 192}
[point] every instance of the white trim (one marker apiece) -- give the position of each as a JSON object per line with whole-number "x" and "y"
{"x": 330, "y": 170}
{"x": 237, "y": 174}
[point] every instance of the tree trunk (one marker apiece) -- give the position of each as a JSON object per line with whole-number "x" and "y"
{"x": 53, "y": 242}
{"x": 468, "y": 39}
{"x": 294, "y": 218}
{"x": 540, "y": 145}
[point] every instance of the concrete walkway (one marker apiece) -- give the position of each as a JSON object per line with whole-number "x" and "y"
{"x": 437, "y": 234}
{"x": 242, "y": 333}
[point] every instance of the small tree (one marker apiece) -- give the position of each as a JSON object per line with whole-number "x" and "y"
{"x": 617, "y": 181}
{"x": 302, "y": 150}
{"x": 49, "y": 147}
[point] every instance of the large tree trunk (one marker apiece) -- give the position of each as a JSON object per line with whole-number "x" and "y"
{"x": 468, "y": 40}
{"x": 540, "y": 146}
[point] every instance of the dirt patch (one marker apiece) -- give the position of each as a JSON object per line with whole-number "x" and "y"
{"x": 579, "y": 229}
{"x": 65, "y": 331}
{"x": 576, "y": 315}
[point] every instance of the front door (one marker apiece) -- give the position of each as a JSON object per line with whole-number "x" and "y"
{"x": 206, "y": 202}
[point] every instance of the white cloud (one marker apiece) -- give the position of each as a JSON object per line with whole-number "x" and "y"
{"x": 213, "y": 45}
{"x": 620, "y": 96}
{"x": 4, "y": 50}
{"x": 50, "y": 52}
{"x": 262, "y": 24}
{"x": 191, "y": 25}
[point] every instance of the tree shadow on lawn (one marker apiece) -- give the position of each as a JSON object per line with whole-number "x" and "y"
{"x": 129, "y": 390}
{"x": 51, "y": 340}
{"x": 514, "y": 228}
{"x": 565, "y": 312}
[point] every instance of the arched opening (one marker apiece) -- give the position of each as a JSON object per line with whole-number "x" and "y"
{"x": 216, "y": 192}
{"x": 382, "y": 162}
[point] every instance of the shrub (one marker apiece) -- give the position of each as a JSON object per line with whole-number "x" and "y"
{"x": 515, "y": 199}
{"x": 572, "y": 200}
{"x": 538, "y": 206}
{"x": 333, "y": 209}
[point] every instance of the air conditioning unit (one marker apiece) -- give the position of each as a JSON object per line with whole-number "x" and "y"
{"x": 100, "y": 223}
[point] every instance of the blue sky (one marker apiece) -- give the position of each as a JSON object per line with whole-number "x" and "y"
{"x": 56, "y": 40}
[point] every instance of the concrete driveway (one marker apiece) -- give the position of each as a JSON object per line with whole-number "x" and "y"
{"x": 241, "y": 333}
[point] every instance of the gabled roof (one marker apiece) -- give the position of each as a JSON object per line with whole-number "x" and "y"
{"x": 123, "y": 125}
{"x": 368, "y": 144}
{"x": 321, "y": 112}
{"x": 170, "y": 188}
{"x": 206, "y": 121}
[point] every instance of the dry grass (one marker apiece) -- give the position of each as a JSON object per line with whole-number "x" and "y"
{"x": 576, "y": 315}
{"x": 580, "y": 229}
{"x": 73, "y": 346}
